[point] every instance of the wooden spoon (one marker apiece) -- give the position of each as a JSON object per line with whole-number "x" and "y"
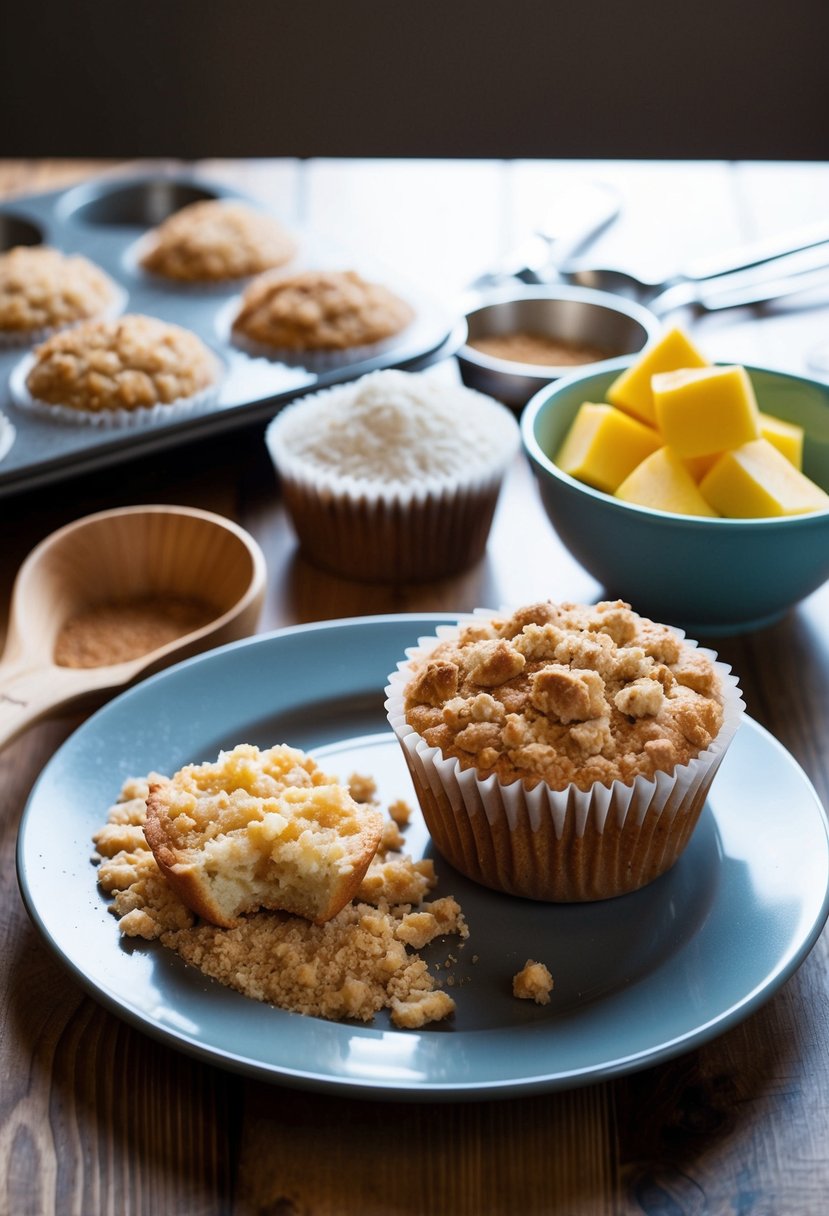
{"x": 122, "y": 555}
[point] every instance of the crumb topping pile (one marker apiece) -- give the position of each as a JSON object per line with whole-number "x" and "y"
{"x": 42, "y": 288}
{"x": 363, "y": 960}
{"x": 215, "y": 240}
{"x": 129, "y": 363}
{"x": 398, "y": 427}
{"x": 267, "y": 794}
{"x": 319, "y": 310}
{"x": 566, "y": 694}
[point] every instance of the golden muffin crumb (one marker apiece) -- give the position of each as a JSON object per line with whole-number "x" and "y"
{"x": 319, "y": 310}
{"x": 566, "y": 694}
{"x": 533, "y": 983}
{"x": 42, "y": 289}
{"x": 214, "y": 240}
{"x": 133, "y": 362}
{"x": 359, "y": 962}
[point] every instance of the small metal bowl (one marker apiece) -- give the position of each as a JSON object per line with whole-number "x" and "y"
{"x": 576, "y": 315}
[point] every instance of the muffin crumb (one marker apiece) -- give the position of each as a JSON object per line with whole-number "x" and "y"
{"x": 361, "y": 961}
{"x": 533, "y": 983}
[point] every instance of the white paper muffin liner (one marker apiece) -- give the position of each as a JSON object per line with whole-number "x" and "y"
{"x": 558, "y": 845}
{"x": 21, "y": 339}
{"x": 393, "y": 532}
{"x": 109, "y": 419}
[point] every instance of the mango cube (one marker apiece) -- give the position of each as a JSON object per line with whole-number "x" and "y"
{"x": 698, "y": 466}
{"x": 604, "y": 445}
{"x": 787, "y": 437}
{"x": 631, "y": 391}
{"x": 705, "y": 410}
{"x": 662, "y": 481}
{"x": 757, "y": 481}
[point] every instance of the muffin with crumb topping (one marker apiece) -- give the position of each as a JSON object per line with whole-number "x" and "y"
{"x": 562, "y": 752}
{"x": 214, "y": 241}
{"x": 128, "y": 367}
{"x": 318, "y": 312}
{"x": 43, "y": 290}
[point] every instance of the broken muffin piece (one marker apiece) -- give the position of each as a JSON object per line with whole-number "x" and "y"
{"x": 260, "y": 829}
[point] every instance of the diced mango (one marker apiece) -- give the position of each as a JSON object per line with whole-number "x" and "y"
{"x": 631, "y": 391}
{"x": 663, "y": 482}
{"x": 705, "y": 410}
{"x": 755, "y": 481}
{"x": 698, "y": 466}
{"x": 787, "y": 437}
{"x": 604, "y": 445}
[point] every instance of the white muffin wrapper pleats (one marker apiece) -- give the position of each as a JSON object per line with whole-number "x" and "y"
{"x": 459, "y": 802}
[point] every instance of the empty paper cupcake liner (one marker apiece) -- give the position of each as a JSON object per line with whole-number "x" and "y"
{"x": 558, "y": 845}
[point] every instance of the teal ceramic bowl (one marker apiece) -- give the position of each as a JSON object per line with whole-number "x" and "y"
{"x": 709, "y": 576}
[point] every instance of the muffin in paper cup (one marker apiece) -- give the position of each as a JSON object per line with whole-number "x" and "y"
{"x": 590, "y": 807}
{"x": 44, "y": 291}
{"x": 393, "y": 477}
{"x": 125, "y": 372}
{"x": 319, "y": 319}
{"x": 212, "y": 245}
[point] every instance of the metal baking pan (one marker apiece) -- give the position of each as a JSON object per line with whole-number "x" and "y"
{"x": 104, "y": 219}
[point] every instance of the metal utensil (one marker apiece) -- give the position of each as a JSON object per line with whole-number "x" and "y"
{"x": 574, "y": 219}
{"x": 788, "y": 275}
{"x": 700, "y": 273}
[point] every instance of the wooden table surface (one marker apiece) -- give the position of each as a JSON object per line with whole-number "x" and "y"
{"x": 96, "y": 1117}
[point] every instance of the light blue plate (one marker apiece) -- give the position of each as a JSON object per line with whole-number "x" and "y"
{"x": 637, "y": 980}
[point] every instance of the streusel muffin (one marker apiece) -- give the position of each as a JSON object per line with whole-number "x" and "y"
{"x": 317, "y": 311}
{"x": 43, "y": 290}
{"x": 123, "y": 368}
{"x": 562, "y": 752}
{"x": 216, "y": 240}
{"x": 393, "y": 477}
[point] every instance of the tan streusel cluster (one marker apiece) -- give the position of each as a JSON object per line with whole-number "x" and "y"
{"x": 566, "y": 694}
{"x": 319, "y": 311}
{"x": 361, "y": 961}
{"x": 216, "y": 240}
{"x": 43, "y": 289}
{"x": 130, "y": 363}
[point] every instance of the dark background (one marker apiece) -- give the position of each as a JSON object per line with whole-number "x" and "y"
{"x": 468, "y": 78}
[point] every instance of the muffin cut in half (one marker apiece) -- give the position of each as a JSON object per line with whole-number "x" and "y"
{"x": 260, "y": 829}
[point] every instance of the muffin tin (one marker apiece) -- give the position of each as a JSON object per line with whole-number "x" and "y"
{"x": 105, "y": 219}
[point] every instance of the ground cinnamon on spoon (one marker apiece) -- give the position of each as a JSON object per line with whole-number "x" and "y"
{"x": 121, "y": 630}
